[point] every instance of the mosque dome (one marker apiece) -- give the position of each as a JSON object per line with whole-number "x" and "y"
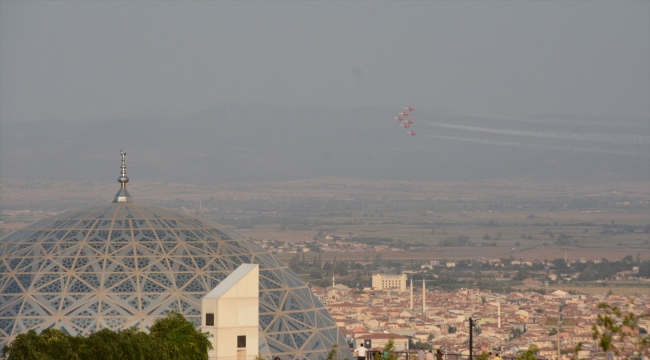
{"x": 124, "y": 264}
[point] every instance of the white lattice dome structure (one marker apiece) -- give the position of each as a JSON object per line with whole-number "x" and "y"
{"x": 123, "y": 264}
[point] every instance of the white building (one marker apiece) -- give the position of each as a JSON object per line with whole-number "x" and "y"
{"x": 230, "y": 314}
{"x": 381, "y": 282}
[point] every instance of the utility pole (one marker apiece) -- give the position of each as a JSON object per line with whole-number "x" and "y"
{"x": 471, "y": 342}
{"x": 559, "y": 329}
{"x": 558, "y": 344}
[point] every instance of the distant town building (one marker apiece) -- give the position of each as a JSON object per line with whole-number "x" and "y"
{"x": 381, "y": 282}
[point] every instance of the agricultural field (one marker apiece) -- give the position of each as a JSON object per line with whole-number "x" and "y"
{"x": 531, "y": 221}
{"x": 415, "y": 222}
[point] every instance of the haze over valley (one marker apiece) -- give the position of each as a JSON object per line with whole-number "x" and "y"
{"x": 529, "y": 141}
{"x": 257, "y": 143}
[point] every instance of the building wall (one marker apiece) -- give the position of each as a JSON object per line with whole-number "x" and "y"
{"x": 234, "y": 305}
{"x": 381, "y": 282}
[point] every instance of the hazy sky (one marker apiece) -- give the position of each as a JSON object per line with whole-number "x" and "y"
{"x": 78, "y": 60}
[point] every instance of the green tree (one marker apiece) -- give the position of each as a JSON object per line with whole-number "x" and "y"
{"x": 136, "y": 344}
{"x": 521, "y": 275}
{"x": 316, "y": 274}
{"x": 103, "y": 345}
{"x": 377, "y": 260}
{"x": 477, "y": 330}
{"x": 484, "y": 356}
{"x": 419, "y": 344}
{"x": 615, "y": 330}
{"x": 180, "y": 339}
{"x": 25, "y": 346}
{"x": 171, "y": 338}
{"x": 61, "y": 346}
{"x": 389, "y": 350}
{"x": 529, "y": 354}
{"x": 333, "y": 354}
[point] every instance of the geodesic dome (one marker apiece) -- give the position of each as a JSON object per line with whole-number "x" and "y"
{"x": 124, "y": 264}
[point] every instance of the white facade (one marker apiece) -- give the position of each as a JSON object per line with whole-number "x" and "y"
{"x": 381, "y": 282}
{"x": 230, "y": 313}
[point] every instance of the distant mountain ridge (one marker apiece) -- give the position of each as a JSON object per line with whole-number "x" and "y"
{"x": 256, "y": 142}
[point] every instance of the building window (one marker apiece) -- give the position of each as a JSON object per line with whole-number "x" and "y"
{"x": 209, "y": 319}
{"x": 241, "y": 341}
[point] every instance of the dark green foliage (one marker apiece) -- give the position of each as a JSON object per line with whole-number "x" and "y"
{"x": 332, "y": 354}
{"x": 644, "y": 269}
{"x": 171, "y": 338}
{"x": 104, "y": 345}
{"x": 521, "y": 275}
{"x": 389, "y": 350}
{"x": 478, "y": 330}
{"x": 614, "y": 330}
{"x": 419, "y": 344}
{"x": 530, "y": 354}
{"x": 484, "y": 356}
{"x": 374, "y": 240}
{"x": 26, "y": 346}
{"x": 460, "y": 240}
{"x": 59, "y": 345}
{"x": 180, "y": 338}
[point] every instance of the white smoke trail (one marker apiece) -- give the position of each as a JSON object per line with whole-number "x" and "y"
{"x": 602, "y": 138}
{"x": 540, "y": 146}
{"x": 555, "y": 119}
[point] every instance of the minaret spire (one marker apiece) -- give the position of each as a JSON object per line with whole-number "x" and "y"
{"x": 424, "y": 300}
{"x": 411, "y": 293}
{"x": 499, "y": 311}
{"x": 123, "y": 195}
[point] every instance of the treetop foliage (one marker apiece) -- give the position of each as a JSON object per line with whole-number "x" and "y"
{"x": 530, "y": 354}
{"x": 616, "y": 330}
{"x": 171, "y": 338}
{"x": 389, "y": 350}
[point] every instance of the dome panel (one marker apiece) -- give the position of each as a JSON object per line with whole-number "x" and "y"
{"x": 124, "y": 264}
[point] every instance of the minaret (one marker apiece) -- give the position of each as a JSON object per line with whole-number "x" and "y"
{"x": 122, "y": 195}
{"x": 499, "y": 312}
{"x": 411, "y": 293}
{"x": 424, "y": 300}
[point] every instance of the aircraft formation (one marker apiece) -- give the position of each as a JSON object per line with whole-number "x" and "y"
{"x": 405, "y": 121}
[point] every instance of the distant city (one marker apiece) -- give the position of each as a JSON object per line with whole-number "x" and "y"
{"x": 504, "y": 323}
